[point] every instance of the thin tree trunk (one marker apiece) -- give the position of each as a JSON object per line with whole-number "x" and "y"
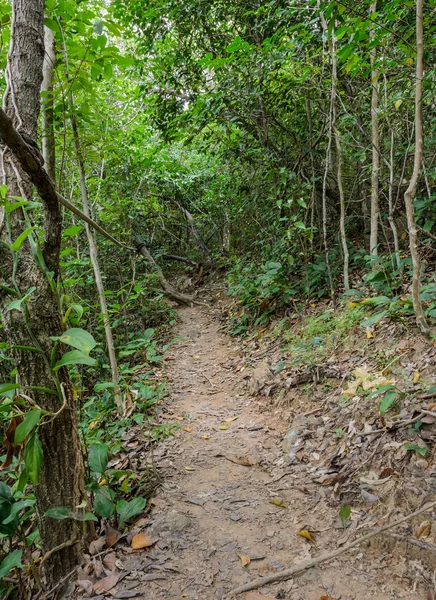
{"x": 373, "y": 238}
{"x": 93, "y": 252}
{"x": 48, "y": 138}
{"x": 391, "y": 206}
{"x": 61, "y": 479}
{"x": 410, "y": 193}
{"x": 339, "y": 165}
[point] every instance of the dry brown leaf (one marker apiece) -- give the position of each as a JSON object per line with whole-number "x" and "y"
{"x": 141, "y": 540}
{"x": 306, "y": 534}
{"x": 97, "y": 546}
{"x": 424, "y": 530}
{"x": 245, "y": 559}
{"x": 188, "y": 429}
{"x": 278, "y": 502}
{"x": 106, "y": 584}
{"x": 109, "y": 561}
{"x": 205, "y": 437}
{"x": 112, "y": 536}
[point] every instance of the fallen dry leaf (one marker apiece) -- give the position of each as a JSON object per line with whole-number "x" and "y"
{"x": 141, "y": 540}
{"x": 188, "y": 429}
{"x": 85, "y": 585}
{"x": 190, "y": 468}
{"x": 205, "y": 437}
{"x": 245, "y": 560}
{"x": 423, "y": 530}
{"x": 109, "y": 561}
{"x": 230, "y": 419}
{"x": 306, "y": 534}
{"x": 97, "y": 546}
{"x": 112, "y": 536}
{"x": 106, "y": 584}
{"x": 278, "y": 502}
{"x": 224, "y": 427}
{"x": 416, "y": 377}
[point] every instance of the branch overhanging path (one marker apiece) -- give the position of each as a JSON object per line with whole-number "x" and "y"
{"x": 50, "y": 197}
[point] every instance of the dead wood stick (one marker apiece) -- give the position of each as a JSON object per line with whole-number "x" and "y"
{"x": 288, "y": 573}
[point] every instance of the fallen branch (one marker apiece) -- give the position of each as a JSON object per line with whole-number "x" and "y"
{"x": 288, "y": 573}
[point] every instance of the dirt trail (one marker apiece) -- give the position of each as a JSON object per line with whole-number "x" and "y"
{"x": 210, "y": 509}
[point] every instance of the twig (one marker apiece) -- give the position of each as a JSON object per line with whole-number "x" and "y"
{"x": 426, "y": 396}
{"x": 413, "y": 542}
{"x": 56, "y": 549}
{"x": 288, "y": 573}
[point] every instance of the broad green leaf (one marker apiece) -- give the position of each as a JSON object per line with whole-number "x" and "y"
{"x": 24, "y": 428}
{"x": 344, "y": 513}
{"x": 103, "y": 504}
{"x": 5, "y": 491}
{"x": 127, "y": 510}
{"x": 74, "y": 357}
{"x": 78, "y": 338}
{"x": 62, "y": 512}
{"x": 98, "y": 457}
{"x": 16, "y": 304}
{"x": 20, "y": 239}
{"x": 33, "y": 457}
{"x": 16, "y": 507}
{"x": 12, "y": 560}
{"x": 7, "y": 387}
{"x": 374, "y": 319}
{"x": 387, "y": 402}
{"x": 72, "y": 231}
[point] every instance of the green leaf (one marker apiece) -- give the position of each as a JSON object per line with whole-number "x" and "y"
{"x": 20, "y": 239}
{"x": 72, "y": 231}
{"x": 62, "y": 512}
{"x": 24, "y": 428}
{"x": 75, "y": 357}
{"x": 16, "y": 507}
{"x": 419, "y": 449}
{"x": 103, "y": 504}
{"x": 98, "y": 457}
{"x": 78, "y": 338}
{"x": 16, "y": 304}
{"x": 376, "y": 301}
{"x": 127, "y": 510}
{"x": 387, "y": 401}
{"x": 344, "y": 513}
{"x": 7, "y": 387}
{"x": 33, "y": 457}
{"x": 12, "y": 560}
{"x": 374, "y": 319}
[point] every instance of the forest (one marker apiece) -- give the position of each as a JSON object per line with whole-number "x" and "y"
{"x": 217, "y": 299}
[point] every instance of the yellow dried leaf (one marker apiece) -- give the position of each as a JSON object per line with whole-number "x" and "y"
{"x": 245, "y": 559}
{"x": 94, "y": 424}
{"x": 179, "y": 418}
{"x": 196, "y": 356}
{"x": 224, "y": 427}
{"x": 409, "y": 61}
{"x": 353, "y": 304}
{"x": 188, "y": 429}
{"x": 404, "y": 235}
{"x": 398, "y": 103}
{"x": 416, "y": 377}
{"x": 190, "y": 468}
{"x": 229, "y": 420}
{"x": 278, "y": 502}
{"x": 369, "y": 334}
{"x": 142, "y": 541}
{"x": 306, "y": 534}
{"x": 205, "y": 437}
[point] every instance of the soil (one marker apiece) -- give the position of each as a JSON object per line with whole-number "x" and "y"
{"x": 213, "y": 515}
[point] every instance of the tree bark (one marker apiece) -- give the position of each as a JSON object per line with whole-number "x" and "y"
{"x": 48, "y": 138}
{"x": 410, "y": 193}
{"x": 61, "y": 479}
{"x": 339, "y": 165}
{"x": 93, "y": 252}
{"x": 373, "y": 238}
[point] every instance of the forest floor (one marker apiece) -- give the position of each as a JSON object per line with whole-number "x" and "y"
{"x": 235, "y": 504}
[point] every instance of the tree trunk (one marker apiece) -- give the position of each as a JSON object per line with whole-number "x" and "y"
{"x": 48, "y": 139}
{"x": 373, "y": 238}
{"x": 410, "y": 193}
{"x": 391, "y": 206}
{"x": 93, "y": 252}
{"x": 339, "y": 165}
{"x": 61, "y": 479}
